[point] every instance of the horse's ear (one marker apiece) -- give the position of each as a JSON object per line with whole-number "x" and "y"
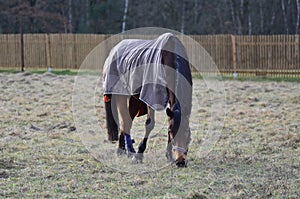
{"x": 170, "y": 113}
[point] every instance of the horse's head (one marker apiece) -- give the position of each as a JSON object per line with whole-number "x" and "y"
{"x": 179, "y": 135}
{"x": 179, "y": 85}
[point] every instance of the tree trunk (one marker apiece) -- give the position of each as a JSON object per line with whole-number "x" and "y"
{"x": 240, "y": 29}
{"x": 249, "y": 25}
{"x": 284, "y": 17}
{"x": 182, "y": 17}
{"x": 70, "y": 16}
{"x": 196, "y": 12}
{"x": 273, "y": 16}
{"x": 87, "y": 15}
{"x": 232, "y": 15}
{"x": 221, "y": 21}
{"x": 297, "y": 26}
{"x": 242, "y": 7}
{"x": 124, "y": 16}
{"x": 261, "y": 14}
{"x": 240, "y": 17}
{"x": 298, "y": 16}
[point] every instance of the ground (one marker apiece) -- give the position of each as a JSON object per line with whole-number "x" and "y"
{"x": 256, "y": 156}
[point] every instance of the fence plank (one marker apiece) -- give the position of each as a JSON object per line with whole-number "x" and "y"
{"x": 271, "y": 55}
{"x": 233, "y": 53}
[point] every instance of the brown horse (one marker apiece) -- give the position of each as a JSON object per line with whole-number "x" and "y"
{"x": 141, "y": 76}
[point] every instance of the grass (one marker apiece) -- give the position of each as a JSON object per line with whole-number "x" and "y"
{"x": 195, "y": 75}
{"x": 249, "y": 77}
{"x": 261, "y": 78}
{"x": 71, "y": 72}
{"x": 40, "y": 71}
{"x": 257, "y": 155}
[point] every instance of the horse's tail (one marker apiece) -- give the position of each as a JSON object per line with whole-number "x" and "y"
{"x": 111, "y": 123}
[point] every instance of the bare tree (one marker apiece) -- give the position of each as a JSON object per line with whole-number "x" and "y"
{"x": 298, "y": 17}
{"x": 87, "y": 14}
{"x": 188, "y": 16}
{"x": 284, "y": 17}
{"x": 232, "y": 14}
{"x": 124, "y": 16}
{"x": 297, "y": 27}
{"x": 182, "y": 17}
{"x": 32, "y": 15}
{"x": 249, "y": 20}
{"x": 242, "y": 7}
{"x": 261, "y": 14}
{"x": 236, "y": 15}
{"x": 70, "y": 15}
{"x": 273, "y": 14}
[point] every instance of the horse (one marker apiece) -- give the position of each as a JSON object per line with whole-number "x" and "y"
{"x": 144, "y": 76}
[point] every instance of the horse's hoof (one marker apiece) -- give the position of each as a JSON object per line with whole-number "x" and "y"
{"x": 137, "y": 158}
{"x": 134, "y": 160}
{"x": 130, "y": 154}
{"x": 121, "y": 151}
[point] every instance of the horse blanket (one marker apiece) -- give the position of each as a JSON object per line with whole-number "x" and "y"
{"x": 134, "y": 67}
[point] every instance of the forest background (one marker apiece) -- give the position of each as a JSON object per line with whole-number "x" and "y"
{"x": 238, "y": 17}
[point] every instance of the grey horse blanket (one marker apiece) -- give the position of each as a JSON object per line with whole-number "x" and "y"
{"x": 134, "y": 67}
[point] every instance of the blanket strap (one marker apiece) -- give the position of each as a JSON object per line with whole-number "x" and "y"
{"x": 177, "y": 148}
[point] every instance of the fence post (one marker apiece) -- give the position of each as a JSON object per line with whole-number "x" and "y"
{"x": 22, "y": 52}
{"x": 48, "y": 51}
{"x": 233, "y": 52}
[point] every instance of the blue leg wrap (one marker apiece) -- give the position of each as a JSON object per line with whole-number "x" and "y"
{"x": 128, "y": 143}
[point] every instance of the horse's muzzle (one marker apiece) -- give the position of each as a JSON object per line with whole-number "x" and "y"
{"x": 181, "y": 162}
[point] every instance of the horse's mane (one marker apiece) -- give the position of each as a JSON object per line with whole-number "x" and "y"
{"x": 184, "y": 78}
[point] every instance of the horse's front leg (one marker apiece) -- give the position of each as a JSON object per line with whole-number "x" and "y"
{"x": 149, "y": 125}
{"x": 125, "y": 124}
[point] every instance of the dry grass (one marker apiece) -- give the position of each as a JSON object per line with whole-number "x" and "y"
{"x": 257, "y": 155}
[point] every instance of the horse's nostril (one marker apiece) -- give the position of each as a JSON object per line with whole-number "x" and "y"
{"x": 181, "y": 164}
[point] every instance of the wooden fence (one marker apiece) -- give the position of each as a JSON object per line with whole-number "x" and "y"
{"x": 249, "y": 55}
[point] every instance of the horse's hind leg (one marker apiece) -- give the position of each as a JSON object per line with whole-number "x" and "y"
{"x": 111, "y": 121}
{"x": 149, "y": 125}
{"x": 125, "y": 122}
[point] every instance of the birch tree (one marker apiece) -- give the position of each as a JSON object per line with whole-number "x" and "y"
{"x": 124, "y": 16}
{"x": 284, "y": 17}
{"x": 261, "y": 17}
{"x": 298, "y": 17}
{"x": 297, "y": 26}
{"x": 186, "y": 16}
{"x": 70, "y": 15}
{"x": 273, "y": 15}
{"x": 182, "y": 17}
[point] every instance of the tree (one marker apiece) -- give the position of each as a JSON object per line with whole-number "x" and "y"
{"x": 31, "y": 16}
{"x": 124, "y": 16}
{"x": 187, "y": 16}
{"x": 70, "y": 14}
{"x": 284, "y": 16}
{"x": 298, "y": 17}
{"x": 297, "y": 26}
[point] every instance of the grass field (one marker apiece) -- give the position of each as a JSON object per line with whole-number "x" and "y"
{"x": 256, "y": 156}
